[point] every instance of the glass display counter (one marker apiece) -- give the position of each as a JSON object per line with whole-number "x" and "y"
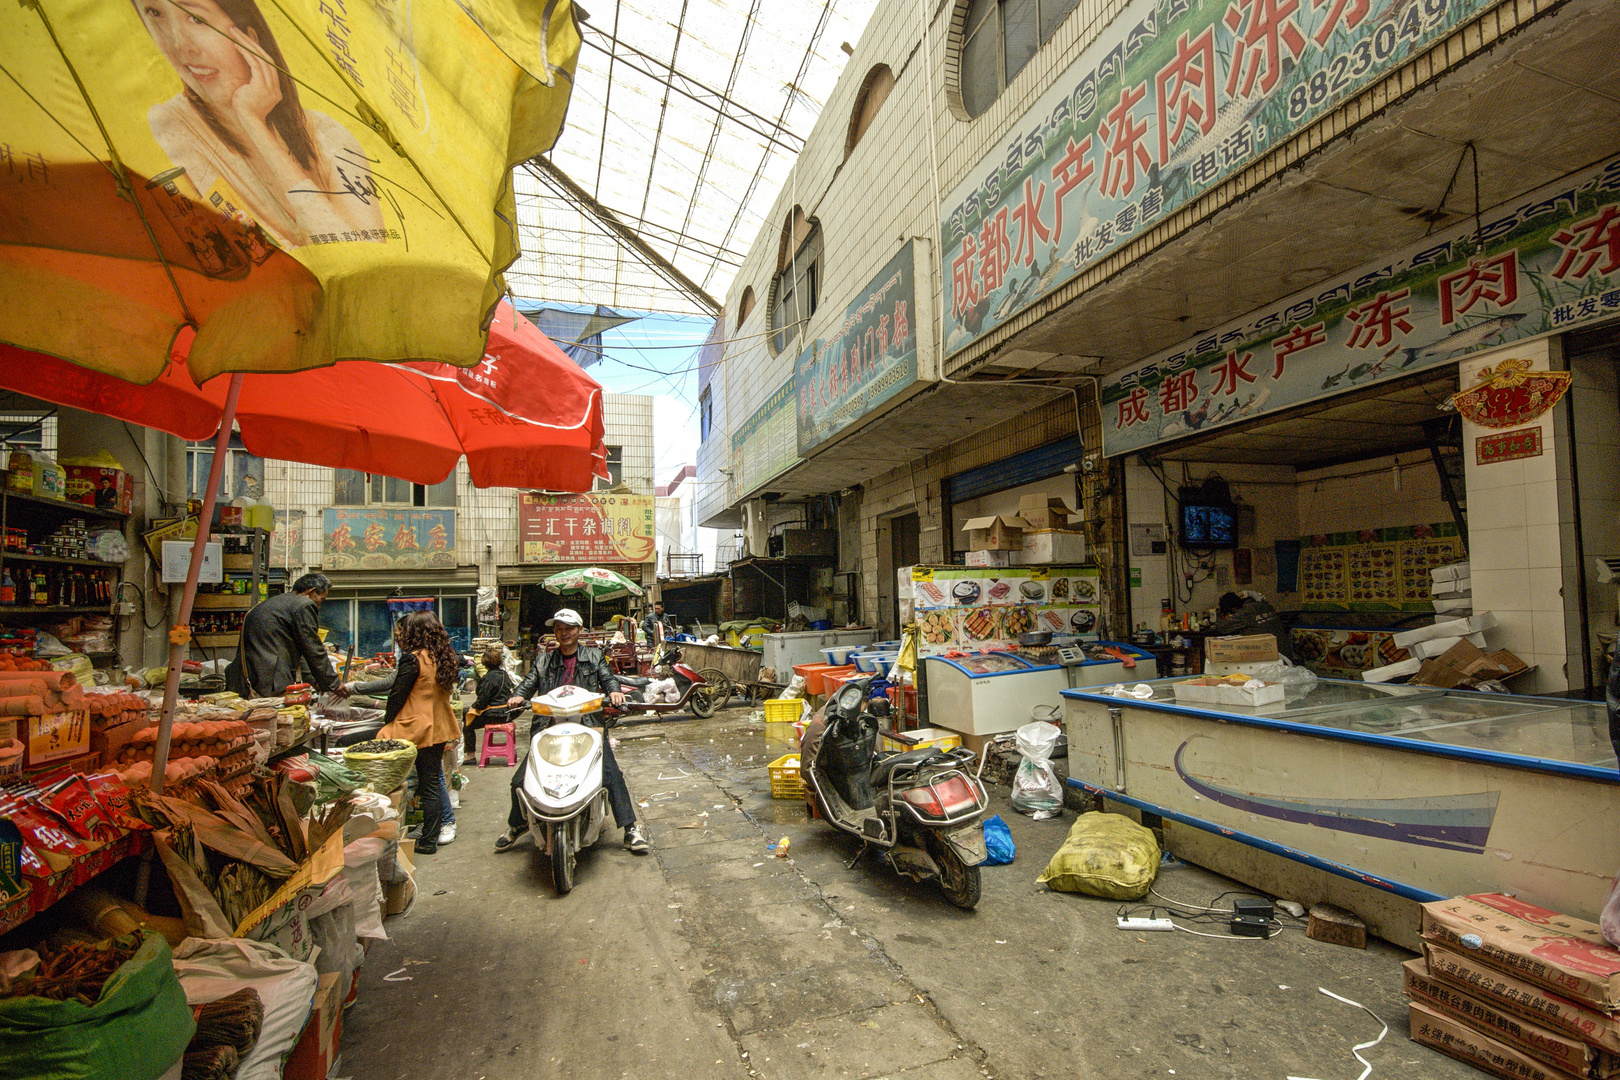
{"x": 1409, "y": 791}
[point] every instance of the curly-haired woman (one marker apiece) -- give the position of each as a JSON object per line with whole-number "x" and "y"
{"x": 418, "y": 711}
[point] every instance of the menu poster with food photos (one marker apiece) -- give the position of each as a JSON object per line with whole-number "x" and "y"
{"x": 970, "y": 608}
{"x": 1375, "y": 569}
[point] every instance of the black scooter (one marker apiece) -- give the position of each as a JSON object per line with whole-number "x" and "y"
{"x": 922, "y": 808}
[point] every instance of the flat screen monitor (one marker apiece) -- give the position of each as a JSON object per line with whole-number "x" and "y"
{"x": 1208, "y": 526}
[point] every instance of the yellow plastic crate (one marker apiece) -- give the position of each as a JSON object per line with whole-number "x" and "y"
{"x": 922, "y": 738}
{"x": 783, "y": 710}
{"x": 785, "y": 783}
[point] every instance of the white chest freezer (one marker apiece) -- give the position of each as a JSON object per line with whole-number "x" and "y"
{"x": 783, "y": 651}
{"x": 991, "y": 693}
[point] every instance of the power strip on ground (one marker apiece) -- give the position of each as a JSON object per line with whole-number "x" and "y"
{"x": 1152, "y": 925}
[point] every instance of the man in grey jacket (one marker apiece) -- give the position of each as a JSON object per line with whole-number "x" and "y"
{"x": 278, "y": 638}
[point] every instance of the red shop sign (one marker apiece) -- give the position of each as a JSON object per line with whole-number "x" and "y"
{"x": 1507, "y": 446}
{"x": 1511, "y": 395}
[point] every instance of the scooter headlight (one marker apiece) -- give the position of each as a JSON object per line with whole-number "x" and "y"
{"x": 565, "y": 749}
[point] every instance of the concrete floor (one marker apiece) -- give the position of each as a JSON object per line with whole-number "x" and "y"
{"x": 711, "y": 958}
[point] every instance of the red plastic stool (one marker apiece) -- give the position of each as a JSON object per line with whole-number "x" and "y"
{"x": 505, "y": 749}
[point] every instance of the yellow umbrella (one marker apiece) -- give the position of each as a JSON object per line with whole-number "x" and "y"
{"x": 304, "y": 181}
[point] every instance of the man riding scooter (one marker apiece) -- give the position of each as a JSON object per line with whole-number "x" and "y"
{"x": 582, "y": 666}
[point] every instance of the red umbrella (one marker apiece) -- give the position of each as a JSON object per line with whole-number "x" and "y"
{"x": 524, "y": 417}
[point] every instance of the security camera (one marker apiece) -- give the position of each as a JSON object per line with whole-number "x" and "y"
{"x": 1089, "y": 465}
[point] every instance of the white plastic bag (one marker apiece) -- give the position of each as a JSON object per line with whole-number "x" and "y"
{"x": 1035, "y": 787}
{"x": 1297, "y": 681}
{"x": 210, "y": 970}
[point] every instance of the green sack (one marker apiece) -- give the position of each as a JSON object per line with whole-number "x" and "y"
{"x": 1106, "y": 855}
{"x": 136, "y": 1030}
{"x": 333, "y": 779}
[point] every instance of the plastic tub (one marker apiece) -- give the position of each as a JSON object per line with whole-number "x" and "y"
{"x": 922, "y": 738}
{"x": 821, "y": 624}
{"x": 875, "y": 662}
{"x": 813, "y": 675}
{"x": 840, "y": 654}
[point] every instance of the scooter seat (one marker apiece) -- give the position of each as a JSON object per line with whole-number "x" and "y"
{"x": 633, "y": 680}
{"x": 882, "y": 768}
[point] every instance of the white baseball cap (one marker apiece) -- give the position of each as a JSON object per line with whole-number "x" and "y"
{"x": 566, "y": 616}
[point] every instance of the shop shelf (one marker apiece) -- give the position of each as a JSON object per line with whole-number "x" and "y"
{"x": 68, "y": 509}
{"x": 228, "y": 601}
{"x": 54, "y": 609}
{"x": 20, "y": 557}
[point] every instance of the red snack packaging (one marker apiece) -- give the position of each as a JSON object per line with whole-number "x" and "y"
{"x": 75, "y": 804}
{"x": 113, "y": 795}
{"x": 55, "y": 847}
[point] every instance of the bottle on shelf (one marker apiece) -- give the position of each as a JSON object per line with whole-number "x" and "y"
{"x": 8, "y": 588}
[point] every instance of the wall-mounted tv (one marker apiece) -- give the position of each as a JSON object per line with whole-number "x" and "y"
{"x": 1204, "y": 526}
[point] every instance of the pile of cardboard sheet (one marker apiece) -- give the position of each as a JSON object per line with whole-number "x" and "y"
{"x": 1449, "y": 653}
{"x": 1451, "y": 589}
{"x": 1516, "y": 990}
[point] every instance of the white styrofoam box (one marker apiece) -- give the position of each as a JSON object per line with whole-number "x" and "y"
{"x": 1459, "y": 606}
{"x": 1230, "y": 694}
{"x": 1481, "y": 621}
{"x": 1392, "y": 671}
{"x": 1452, "y": 572}
{"x": 1452, "y": 628}
{"x": 1452, "y": 588}
{"x": 1433, "y": 647}
{"x": 1476, "y": 640}
{"x": 990, "y": 558}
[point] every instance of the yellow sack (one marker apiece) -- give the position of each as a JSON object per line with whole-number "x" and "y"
{"x": 1106, "y": 855}
{"x": 908, "y": 648}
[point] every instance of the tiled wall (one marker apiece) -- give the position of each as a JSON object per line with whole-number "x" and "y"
{"x": 1520, "y": 527}
{"x": 486, "y": 518}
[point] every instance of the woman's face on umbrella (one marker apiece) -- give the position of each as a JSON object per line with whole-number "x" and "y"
{"x": 192, "y": 35}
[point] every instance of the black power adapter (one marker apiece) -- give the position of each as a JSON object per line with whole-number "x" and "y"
{"x": 1251, "y": 917}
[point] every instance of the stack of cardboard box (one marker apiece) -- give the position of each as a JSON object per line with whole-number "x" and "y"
{"x": 1516, "y": 990}
{"x": 1447, "y": 654}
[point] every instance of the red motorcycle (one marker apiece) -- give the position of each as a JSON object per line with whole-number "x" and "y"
{"x": 696, "y": 692}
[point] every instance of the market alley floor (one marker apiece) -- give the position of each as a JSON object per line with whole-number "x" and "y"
{"x": 711, "y": 958}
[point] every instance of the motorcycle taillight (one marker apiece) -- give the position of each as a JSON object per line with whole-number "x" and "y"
{"x": 924, "y": 799}
{"x": 956, "y": 794}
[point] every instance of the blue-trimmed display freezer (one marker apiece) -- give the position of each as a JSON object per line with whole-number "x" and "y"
{"x": 993, "y": 692}
{"x": 1369, "y": 796}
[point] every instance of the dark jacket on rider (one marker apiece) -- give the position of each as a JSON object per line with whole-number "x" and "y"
{"x": 591, "y": 672}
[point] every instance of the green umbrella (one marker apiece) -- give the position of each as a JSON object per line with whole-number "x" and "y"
{"x": 594, "y": 582}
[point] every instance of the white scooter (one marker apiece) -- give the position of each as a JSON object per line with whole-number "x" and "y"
{"x": 562, "y": 795}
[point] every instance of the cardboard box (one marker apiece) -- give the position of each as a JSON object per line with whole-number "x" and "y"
{"x": 56, "y": 737}
{"x": 109, "y": 741}
{"x": 397, "y": 896}
{"x": 1045, "y": 511}
{"x": 1244, "y": 649}
{"x": 998, "y": 532}
{"x": 1399, "y": 669}
{"x": 1051, "y": 546}
{"x": 315, "y": 1052}
{"x": 1456, "y": 1039}
{"x": 1512, "y": 994}
{"x": 105, "y": 489}
{"x": 989, "y": 558}
{"x": 1556, "y": 1048}
{"x": 1465, "y": 665}
{"x": 1566, "y": 955}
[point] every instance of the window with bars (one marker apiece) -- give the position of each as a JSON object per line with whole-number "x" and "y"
{"x": 352, "y": 488}
{"x": 796, "y": 289}
{"x": 999, "y": 37}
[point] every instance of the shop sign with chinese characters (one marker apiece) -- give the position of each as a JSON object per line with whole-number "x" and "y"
{"x": 360, "y": 538}
{"x": 1510, "y": 394}
{"x": 590, "y": 528}
{"x": 1507, "y": 446}
{"x": 1545, "y": 264}
{"x": 872, "y": 358}
{"x": 1173, "y": 98}
{"x": 766, "y": 446}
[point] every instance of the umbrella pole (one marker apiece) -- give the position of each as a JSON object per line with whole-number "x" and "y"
{"x": 180, "y": 642}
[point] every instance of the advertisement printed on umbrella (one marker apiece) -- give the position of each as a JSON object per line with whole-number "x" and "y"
{"x": 247, "y": 168}
{"x": 354, "y": 538}
{"x": 988, "y": 607}
{"x": 1544, "y": 264}
{"x": 872, "y": 358}
{"x": 1173, "y": 98}
{"x": 589, "y": 528}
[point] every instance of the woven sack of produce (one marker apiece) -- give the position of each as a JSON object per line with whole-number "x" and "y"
{"x": 136, "y": 1025}
{"x": 333, "y": 778}
{"x": 383, "y": 762}
{"x": 1106, "y": 855}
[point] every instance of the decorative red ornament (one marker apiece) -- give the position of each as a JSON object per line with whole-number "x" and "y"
{"x": 1510, "y": 395}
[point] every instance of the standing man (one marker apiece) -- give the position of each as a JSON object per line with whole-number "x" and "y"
{"x": 584, "y": 667}
{"x": 650, "y": 623}
{"x": 278, "y": 637}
